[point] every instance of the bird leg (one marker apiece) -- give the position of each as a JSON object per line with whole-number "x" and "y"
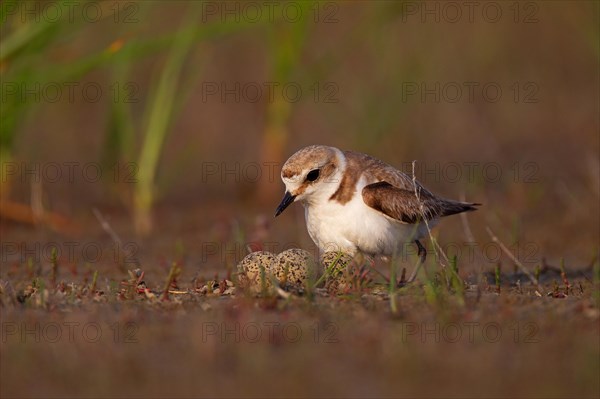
{"x": 422, "y": 252}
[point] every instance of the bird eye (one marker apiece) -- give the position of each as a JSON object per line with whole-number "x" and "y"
{"x": 313, "y": 175}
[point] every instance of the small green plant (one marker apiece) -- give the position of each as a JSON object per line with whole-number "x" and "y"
{"x": 497, "y": 277}
{"x": 39, "y": 286}
{"x": 456, "y": 283}
{"x": 329, "y": 271}
{"x": 596, "y": 283}
{"x": 537, "y": 272}
{"x": 30, "y": 267}
{"x": 563, "y": 275}
{"x": 555, "y": 289}
{"x": 263, "y": 280}
{"x": 94, "y": 281}
{"x": 54, "y": 263}
{"x": 174, "y": 273}
{"x": 432, "y": 291}
{"x": 392, "y": 287}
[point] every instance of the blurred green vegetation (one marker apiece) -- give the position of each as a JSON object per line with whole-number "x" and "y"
{"x": 358, "y": 66}
{"x": 29, "y": 38}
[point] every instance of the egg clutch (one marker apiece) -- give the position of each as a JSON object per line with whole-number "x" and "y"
{"x": 293, "y": 271}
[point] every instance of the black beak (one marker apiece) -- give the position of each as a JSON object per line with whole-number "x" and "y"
{"x": 285, "y": 202}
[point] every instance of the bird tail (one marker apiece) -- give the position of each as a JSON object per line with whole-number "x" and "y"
{"x": 453, "y": 207}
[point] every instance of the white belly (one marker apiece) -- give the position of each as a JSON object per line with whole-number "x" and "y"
{"x": 355, "y": 227}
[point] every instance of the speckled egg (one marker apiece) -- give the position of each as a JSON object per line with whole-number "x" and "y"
{"x": 293, "y": 267}
{"x": 335, "y": 281}
{"x": 250, "y": 270}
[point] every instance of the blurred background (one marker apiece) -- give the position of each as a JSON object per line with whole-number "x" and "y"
{"x": 149, "y": 136}
{"x": 173, "y": 119}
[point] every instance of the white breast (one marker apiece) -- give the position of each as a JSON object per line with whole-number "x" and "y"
{"x": 355, "y": 227}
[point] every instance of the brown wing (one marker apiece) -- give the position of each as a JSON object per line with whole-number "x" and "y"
{"x": 361, "y": 165}
{"x": 402, "y": 205}
{"x": 392, "y": 192}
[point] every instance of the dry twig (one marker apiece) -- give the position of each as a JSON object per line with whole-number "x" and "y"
{"x": 513, "y": 258}
{"x": 436, "y": 248}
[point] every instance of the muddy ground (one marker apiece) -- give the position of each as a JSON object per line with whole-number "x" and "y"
{"x": 66, "y": 333}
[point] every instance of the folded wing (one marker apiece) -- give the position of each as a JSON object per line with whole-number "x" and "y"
{"x": 402, "y": 204}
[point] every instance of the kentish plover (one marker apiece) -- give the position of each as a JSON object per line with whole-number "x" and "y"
{"x": 357, "y": 203}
